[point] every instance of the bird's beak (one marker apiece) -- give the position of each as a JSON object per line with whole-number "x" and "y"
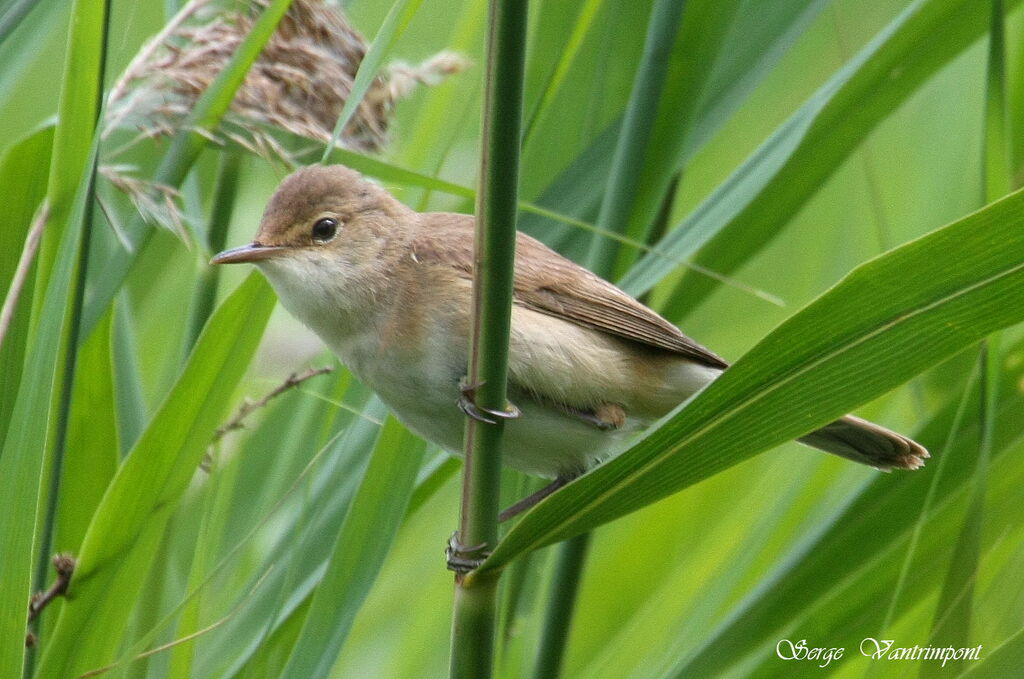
{"x": 253, "y": 252}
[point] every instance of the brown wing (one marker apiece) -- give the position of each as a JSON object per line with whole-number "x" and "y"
{"x": 551, "y": 284}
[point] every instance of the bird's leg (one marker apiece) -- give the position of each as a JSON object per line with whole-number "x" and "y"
{"x": 606, "y": 417}
{"x": 467, "y": 404}
{"x": 530, "y": 500}
{"x": 463, "y": 559}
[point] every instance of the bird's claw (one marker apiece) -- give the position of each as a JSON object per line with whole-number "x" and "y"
{"x": 463, "y": 559}
{"x": 467, "y": 404}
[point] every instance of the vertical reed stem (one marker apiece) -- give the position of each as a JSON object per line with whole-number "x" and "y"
{"x": 475, "y": 613}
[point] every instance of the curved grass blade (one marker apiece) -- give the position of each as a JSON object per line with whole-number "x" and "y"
{"x": 391, "y": 30}
{"x": 628, "y": 162}
{"x": 1004, "y": 661}
{"x": 910, "y": 507}
{"x": 723, "y": 49}
{"x": 92, "y": 451}
{"x": 185, "y": 149}
{"x": 733, "y": 49}
{"x": 80, "y": 101}
{"x": 268, "y": 486}
{"x": 24, "y": 168}
{"x": 33, "y": 424}
{"x": 952, "y": 623}
{"x": 126, "y": 529}
{"x": 370, "y": 526}
{"x": 306, "y": 552}
{"x": 760, "y": 197}
{"x": 73, "y": 168}
{"x": 888, "y": 320}
{"x": 21, "y": 461}
{"x": 851, "y": 604}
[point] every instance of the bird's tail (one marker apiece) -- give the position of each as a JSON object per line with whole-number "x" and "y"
{"x": 867, "y": 443}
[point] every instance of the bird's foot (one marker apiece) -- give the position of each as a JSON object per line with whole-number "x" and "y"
{"x": 467, "y": 404}
{"x": 532, "y": 499}
{"x": 463, "y": 559}
{"x": 606, "y": 417}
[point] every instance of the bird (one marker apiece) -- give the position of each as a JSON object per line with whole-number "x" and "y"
{"x": 389, "y": 291}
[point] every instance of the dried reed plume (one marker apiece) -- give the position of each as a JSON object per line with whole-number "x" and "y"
{"x": 299, "y": 84}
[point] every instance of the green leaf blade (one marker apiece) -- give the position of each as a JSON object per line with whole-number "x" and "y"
{"x": 887, "y": 321}
{"x": 761, "y": 196}
{"x": 394, "y": 25}
{"x": 1002, "y": 661}
{"x": 185, "y": 148}
{"x": 366, "y": 535}
{"x": 128, "y": 523}
{"x": 25, "y": 177}
{"x": 21, "y": 462}
{"x": 30, "y": 431}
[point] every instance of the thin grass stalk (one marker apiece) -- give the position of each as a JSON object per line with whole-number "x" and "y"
{"x": 661, "y": 225}
{"x": 78, "y": 293}
{"x": 956, "y": 600}
{"x": 998, "y": 182}
{"x": 475, "y": 614}
{"x": 70, "y": 364}
{"x": 637, "y": 125}
{"x": 71, "y": 342}
{"x": 224, "y": 195}
{"x": 952, "y": 622}
{"x": 572, "y": 557}
{"x": 63, "y": 415}
{"x": 24, "y": 270}
{"x": 188, "y": 143}
{"x": 395, "y": 23}
{"x": 998, "y": 175}
{"x": 26, "y": 447}
{"x": 572, "y": 553}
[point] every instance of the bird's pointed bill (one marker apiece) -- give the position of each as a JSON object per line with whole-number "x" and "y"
{"x": 253, "y": 252}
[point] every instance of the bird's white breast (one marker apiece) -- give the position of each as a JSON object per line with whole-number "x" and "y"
{"x": 421, "y": 384}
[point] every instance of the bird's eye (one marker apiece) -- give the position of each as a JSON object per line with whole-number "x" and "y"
{"x": 324, "y": 229}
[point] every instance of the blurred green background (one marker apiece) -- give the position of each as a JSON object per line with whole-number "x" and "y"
{"x": 704, "y": 583}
